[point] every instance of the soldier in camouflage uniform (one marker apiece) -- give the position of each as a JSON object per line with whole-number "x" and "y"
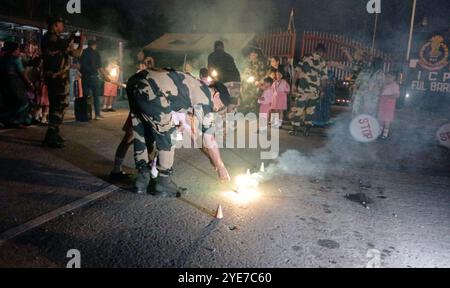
{"x": 153, "y": 96}
{"x": 56, "y": 52}
{"x": 253, "y": 76}
{"x": 358, "y": 63}
{"x": 311, "y": 77}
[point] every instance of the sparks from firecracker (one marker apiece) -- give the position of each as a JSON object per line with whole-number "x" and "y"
{"x": 113, "y": 72}
{"x": 247, "y": 187}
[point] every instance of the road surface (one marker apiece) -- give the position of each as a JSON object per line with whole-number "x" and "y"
{"x": 298, "y": 219}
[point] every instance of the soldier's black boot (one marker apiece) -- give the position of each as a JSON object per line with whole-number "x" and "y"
{"x": 165, "y": 187}
{"x": 52, "y": 139}
{"x": 142, "y": 181}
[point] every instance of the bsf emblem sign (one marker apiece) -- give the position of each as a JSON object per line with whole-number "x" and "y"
{"x": 365, "y": 129}
{"x": 434, "y": 54}
{"x": 431, "y": 75}
{"x": 443, "y": 136}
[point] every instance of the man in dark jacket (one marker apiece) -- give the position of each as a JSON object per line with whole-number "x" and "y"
{"x": 221, "y": 65}
{"x": 91, "y": 69}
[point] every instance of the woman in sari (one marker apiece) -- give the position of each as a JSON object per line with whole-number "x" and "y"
{"x": 14, "y": 82}
{"x": 368, "y": 89}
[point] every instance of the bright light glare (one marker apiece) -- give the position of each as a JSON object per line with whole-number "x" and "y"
{"x": 407, "y": 95}
{"x": 214, "y": 73}
{"x": 246, "y": 182}
{"x": 246, "y": 189}
{"x": 113, "y": 72}
{"x": 251, "y": 79}
{"x": 243, "y": 197}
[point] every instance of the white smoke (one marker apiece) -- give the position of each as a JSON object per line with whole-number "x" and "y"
{"x": 293, "y": 162}
{"x": 411, "y": 148}
{"x": 218, "y": 16}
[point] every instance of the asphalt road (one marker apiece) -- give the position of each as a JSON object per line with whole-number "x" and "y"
{"x": 299, "y": 218}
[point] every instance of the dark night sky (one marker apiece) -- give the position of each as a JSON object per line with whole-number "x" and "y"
{"x": 339, "y": 16}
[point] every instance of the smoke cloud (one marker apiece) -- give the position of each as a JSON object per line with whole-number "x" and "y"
{"x": 412, "y": 148}
{"x": 216, "y": 16}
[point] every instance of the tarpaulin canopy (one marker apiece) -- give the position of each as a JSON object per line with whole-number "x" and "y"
{"x": 199, "y": 43}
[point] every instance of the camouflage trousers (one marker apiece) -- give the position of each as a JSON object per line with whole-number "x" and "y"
{"x": 145, "y": 147}
{"x": 306, "y": 108}
{"x": 249, "y": 98}
{"x": 59, "y": 102}
{"x": 152, "y": 126}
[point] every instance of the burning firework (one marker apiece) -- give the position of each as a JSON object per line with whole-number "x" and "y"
{"x": 251, "y": 80}
{"x": 247, "y": 187}
{"x": 113, "y": 72}
{"x": 246, "y": 183}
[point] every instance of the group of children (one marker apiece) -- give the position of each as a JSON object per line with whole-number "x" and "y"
{"x": 273, "y": 102}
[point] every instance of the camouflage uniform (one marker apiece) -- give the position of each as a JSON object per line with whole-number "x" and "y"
{"x": 153, "y": 95}
{"x": 250, "y": 92}
{"x": 357, "y": 67}
{"x": 56, "y": 52}
{"x": 311, "y": 71}
{"x": 368, "y": 88}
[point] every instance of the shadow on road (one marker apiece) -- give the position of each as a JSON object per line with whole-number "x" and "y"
{"x": 187, "y": 254}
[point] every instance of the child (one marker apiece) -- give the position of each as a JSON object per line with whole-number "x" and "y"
{"x": 272, "y": 73}
{"x": 44, "y": 103}
{"x": 388, "y": 102}
{"x": 265, "y": 101}
{"x": 281, "y": 90}
{"x": 111, "y": 87}
{"x": 204, "y": 76}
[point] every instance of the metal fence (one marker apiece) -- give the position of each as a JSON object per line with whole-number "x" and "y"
{"x": 280, "y": 43}
{"x": 334, "y": 43}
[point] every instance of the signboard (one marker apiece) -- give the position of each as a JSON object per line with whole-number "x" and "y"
{"x": 365, "y": 129}
{"x": 443, "y": 136}
{"x": 429, "y": 74}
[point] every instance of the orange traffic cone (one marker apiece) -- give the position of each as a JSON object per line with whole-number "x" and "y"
{"x": 219, "y": 214}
